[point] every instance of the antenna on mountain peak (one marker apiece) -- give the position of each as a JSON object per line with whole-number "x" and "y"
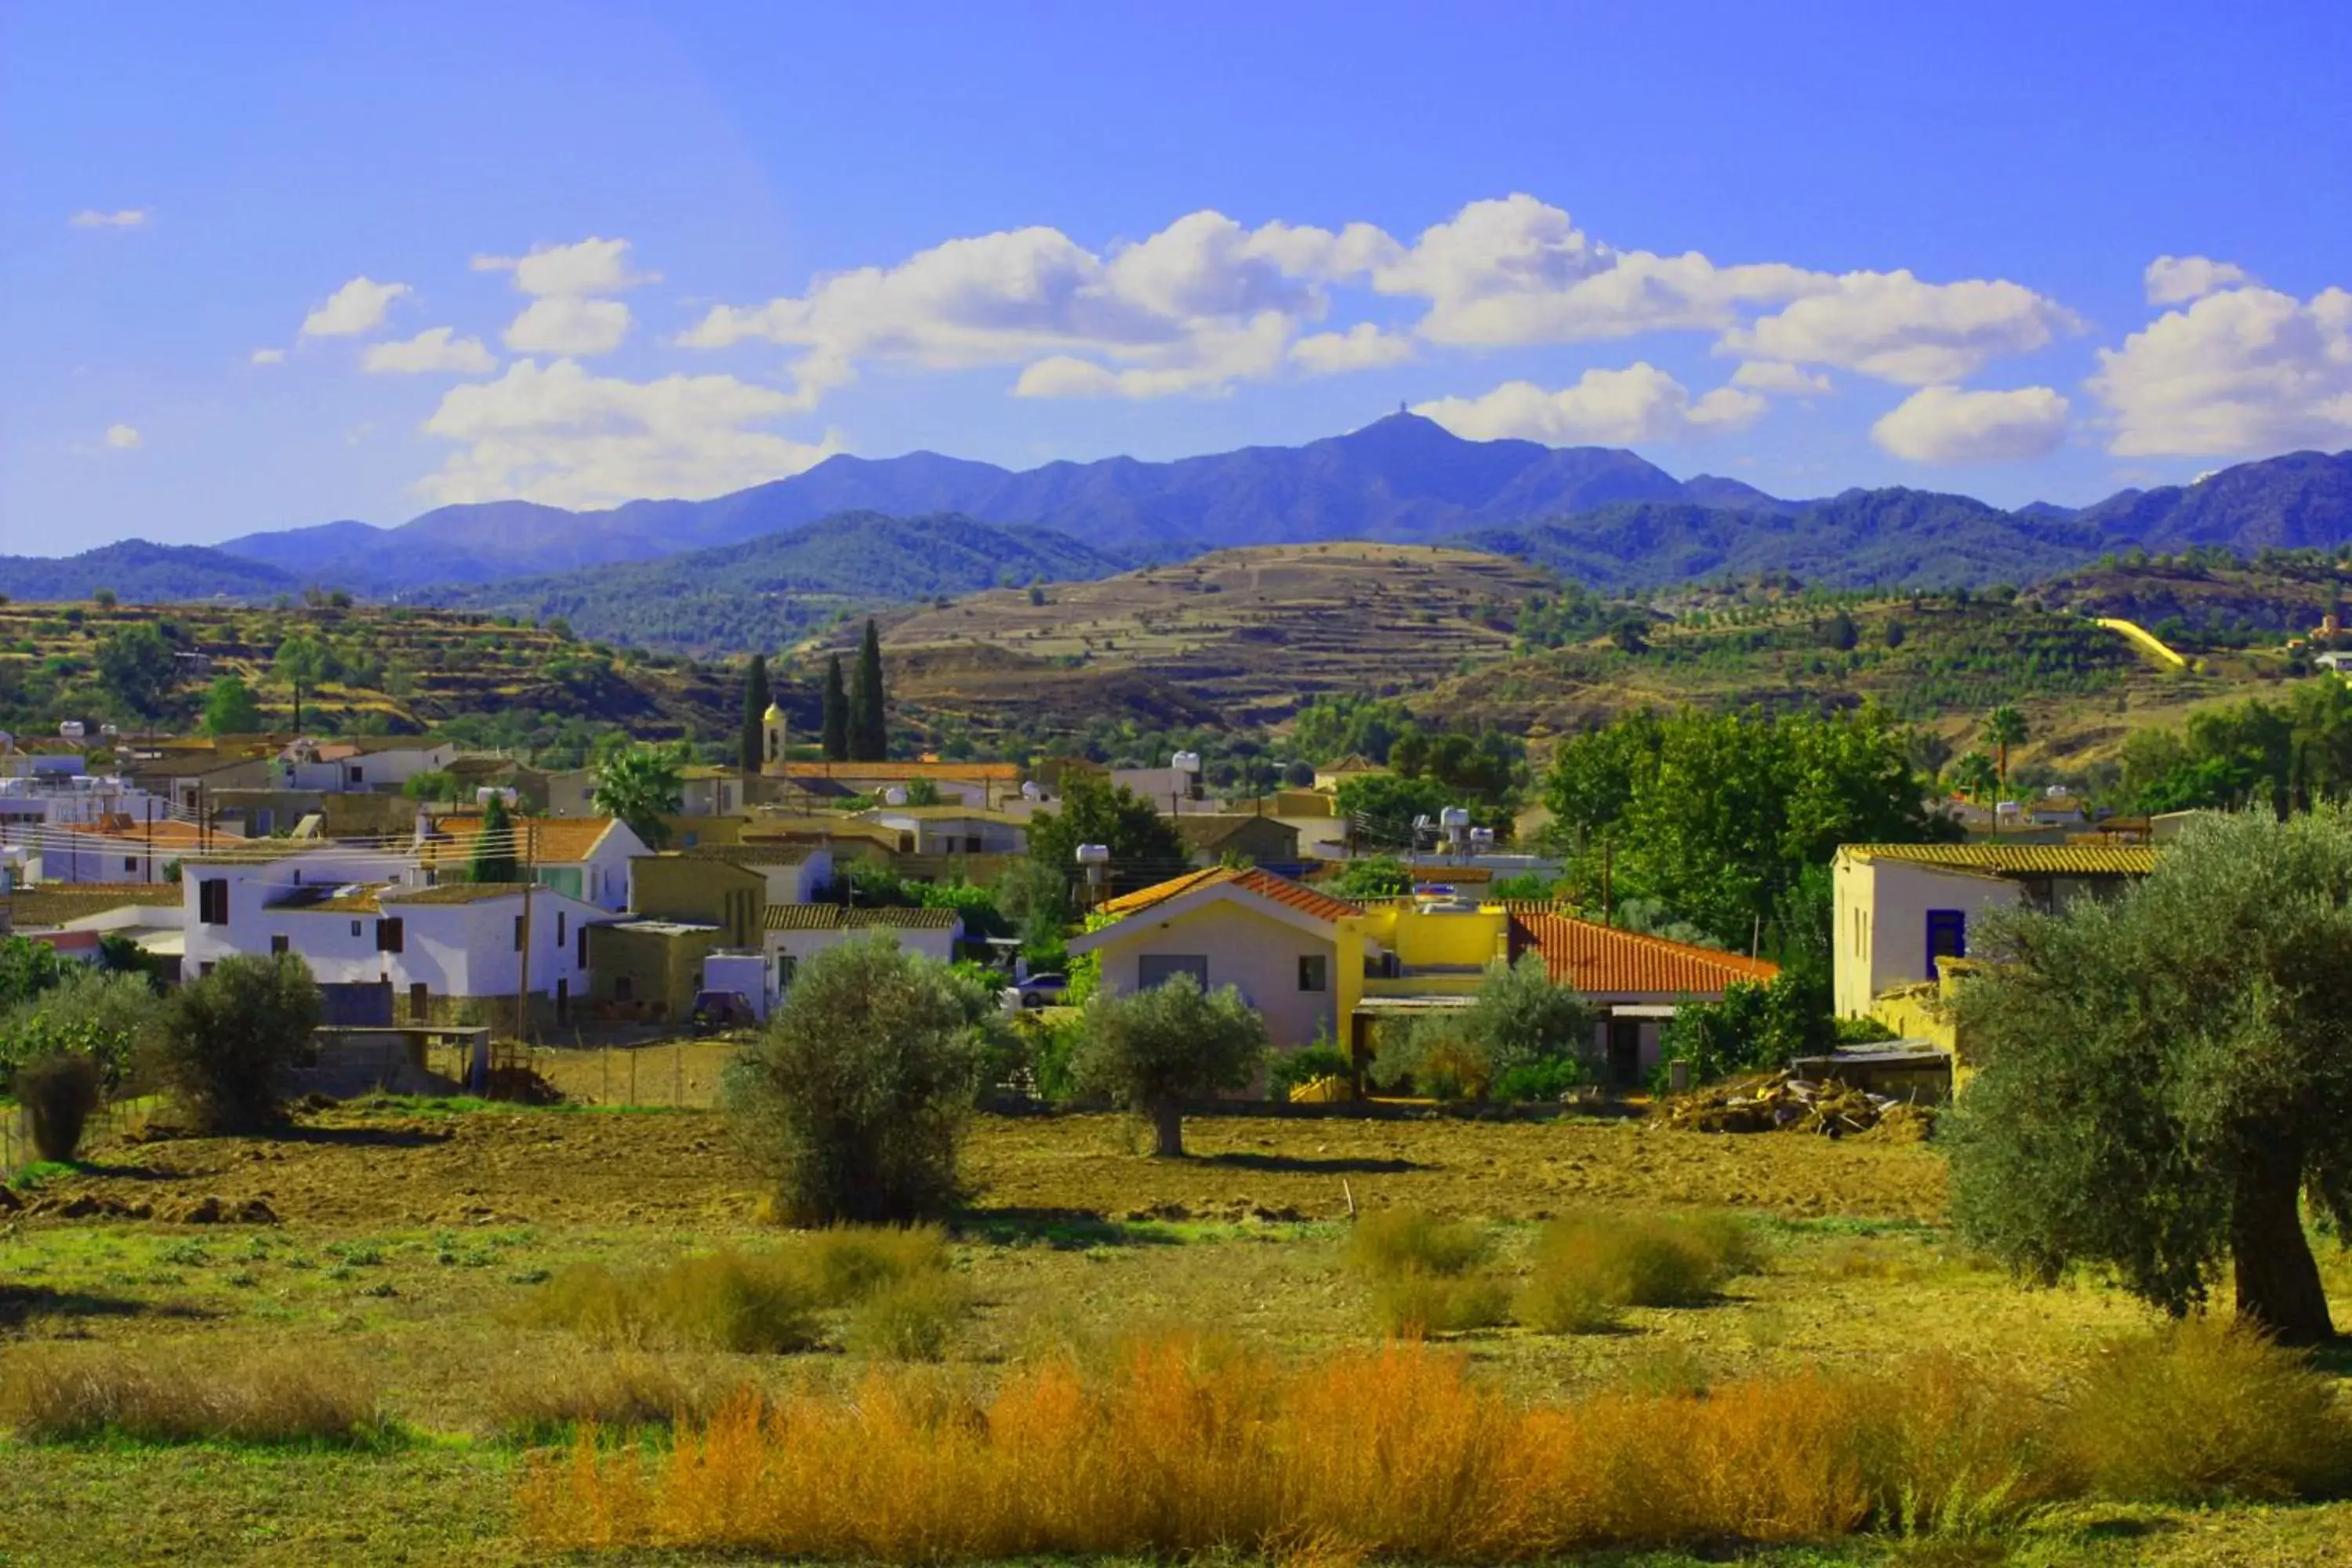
{"x": 1401, "y": 406}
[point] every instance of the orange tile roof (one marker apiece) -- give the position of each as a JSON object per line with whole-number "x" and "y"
{"x": 1263, "y": 884}
{"x": 134, "y": 830}
{"x": 974, "y": 772}
{"x": 553, "y": 840}
{"x": 1601, "y": 960}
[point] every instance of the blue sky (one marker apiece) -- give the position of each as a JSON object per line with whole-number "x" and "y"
{"x": 584, "y": 252}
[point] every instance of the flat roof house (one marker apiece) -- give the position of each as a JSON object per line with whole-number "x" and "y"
{"x": 1902, "y": 909}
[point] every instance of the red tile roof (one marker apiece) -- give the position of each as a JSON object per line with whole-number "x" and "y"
{"x": 1602, "y": 962}
{"x": 552, "y": 841}
{"x": 1263, "y": 884}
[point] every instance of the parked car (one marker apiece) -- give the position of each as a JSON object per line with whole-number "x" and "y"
{"x": 1045, "y": 990}
{"x": 717, "y": 1010}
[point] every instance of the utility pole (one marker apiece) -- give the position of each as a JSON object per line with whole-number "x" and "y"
{"x": 529, "y": 880}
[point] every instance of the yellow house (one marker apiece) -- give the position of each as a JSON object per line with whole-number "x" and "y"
{"x": 1322, "y": 968}
{"x": 1903, "y": 910}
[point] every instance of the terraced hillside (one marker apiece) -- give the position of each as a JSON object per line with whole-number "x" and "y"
{"x": 1244, "y": 632}
{"x": 397, "y": 670}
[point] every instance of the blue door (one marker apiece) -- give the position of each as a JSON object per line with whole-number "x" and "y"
{"x": 1947, "y": 937}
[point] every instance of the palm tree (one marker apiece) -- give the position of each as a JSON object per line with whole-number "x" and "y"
{"x": 2004, "y": 728}
{"x": 1974, "y": 776}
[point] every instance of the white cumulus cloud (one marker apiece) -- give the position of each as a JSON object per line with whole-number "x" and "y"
{"x": 558, "y": 435}
{"x": 1893, "y": 326}
{"x": 2177, "y": 279}
{"x": 569, "y": 325}
{"x": 1945, "y": 425}
{"x": 590, "y": 267}
{"x": 1191, "y": 309}
{"x": 123, "y": 438}
{"x": 359, "y": 306}
{"x": 434, "y": 349}
{"x": 1611, "y": 407}
{"x": 2237, "y": 374}
{"x": 1786, "y": 379}
{"x": 269, "y": 356}
{"x": 129, "y": 218}
{"x": 1362, "y": 347}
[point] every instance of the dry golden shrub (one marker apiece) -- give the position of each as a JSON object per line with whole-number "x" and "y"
{"x": 63, "y": 1392}
{"x": 616, "y": 1391}
{"x": 1393, "y": 1454}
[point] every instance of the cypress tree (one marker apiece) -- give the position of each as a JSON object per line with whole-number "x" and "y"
{"x": 837, "y": 713}
{"x": 869, "y": 724}
{"x": 754, "y": 748}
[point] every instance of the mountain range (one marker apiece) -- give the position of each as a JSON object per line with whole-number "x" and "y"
{"x": 737, "y": 569}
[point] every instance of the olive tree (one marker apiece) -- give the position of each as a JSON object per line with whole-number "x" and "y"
{"x": 2166, "y": 1074}
{"x": 225, "y": 1041}
{"x": 857, "y": 1095}
{"x": 1152, "y": 1051}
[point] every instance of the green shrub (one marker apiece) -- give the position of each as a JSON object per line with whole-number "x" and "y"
{"x": 722, "y": 1301}
{"x": 1539, "y": 1081}
{"x": 1588, "y": 1267}
{"x": 58, "y": 1093}
{"x": 90, "y": 1012}
{"x": 1412, "y": 1305}
{"x": 1288, "y": 1069}
{"x": 857, "y": 1095}
{"x": 910, "y": 1318}
{"x": 225, "y": 1041}
{"x": 2204, "y": 1411}
{"x": 1390, "y": 1243}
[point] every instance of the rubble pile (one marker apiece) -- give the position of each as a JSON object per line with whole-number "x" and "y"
{"x": 1783, "y": 1102}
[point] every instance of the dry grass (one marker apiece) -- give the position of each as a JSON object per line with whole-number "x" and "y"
{"x": 909, "y": 1319}
{"x": 848, "y": 1263}
{"x": 68, "y": 1392}
{"x": 722, "y": 1301}
{"x": 2207, "y": 1411}
{"x": 1428, "y": 1274}
{"x": 622, "y": 1391}
{"x": 1589, "y": 1268}
{"x": 1395, "y": 1453}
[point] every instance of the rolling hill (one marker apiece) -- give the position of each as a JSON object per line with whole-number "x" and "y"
{"x": 140, "y": 572}
{"x": 772, "y": 591}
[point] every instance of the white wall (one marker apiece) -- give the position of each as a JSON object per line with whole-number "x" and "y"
{"x": 801, "y": 945}
{"x": 453, "y": 950}
{"x": 1257, "y": 953}
{"x": 1881, "y": 919}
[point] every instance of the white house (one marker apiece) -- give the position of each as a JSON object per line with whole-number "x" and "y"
{"x": 1902, "y": 908}
{"x": 389, "y": 952}
{"x": 953, "y": 829}
{"x": 796, "y": 931}
{"x": 796, "y": 873}
{"x": 338, "y": 766}
{"x": 584, "y": 857}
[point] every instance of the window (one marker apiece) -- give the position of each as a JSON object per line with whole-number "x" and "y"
{"x": 786, "y": 967}
{"x": 1157, "y": 968}
{"x": 355, "y": 927}
{"x": 389, "y": 934}
{"x": 580, "y": 941}
{"x": 420, "y": 1003}
{"x": 355, "y": 773}
{"x": 1314, "y": 972}
{"x": 623, "y": 989}
{"x": 1947, "y": 937}
{"x": 204, "y": 969}
{"x": 518, "y": 933}
{"x": 212, "y": 901}
{"x": 558, "y": 927}
{"x": 130, "y": 862}
{"x": 278, "y": 944}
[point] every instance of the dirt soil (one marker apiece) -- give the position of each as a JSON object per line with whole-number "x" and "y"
{"x": 346, "y": 1168}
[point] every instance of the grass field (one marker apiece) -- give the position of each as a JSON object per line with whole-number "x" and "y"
{"x": 411, "y": 1243}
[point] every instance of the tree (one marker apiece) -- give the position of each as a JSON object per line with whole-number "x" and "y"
{"x": 229, "y": 708}
{"x": 869, "y": 722}
{"x": 1523, "y": 1035}
{"x": 494, "y": 859}
{"x": 1035, "y": 897}
{"x": 1976, "y": 778}
{"x": 642, "y": 785}
{"x": 1372, "y": 877}
{"x": 1841, "y": 634}
{"x": 856, "y": 1097}
{"x": 58, "y": 1093}
{"x": 1144, "y": 847}
{"x": 1381, "y": 808}
{"x": 300, "y": 662}
{"x": 136, "y": 665}
{"x": 752, "y": 749}
{"x": 1717, "y": 815}
{"x": 104, "y": 598}
{"x": 2004, "y": 728}
{"x": 2163, "y": 1074}
{"x": 835, "y": 720}
{"x": 923, "y": 791}
{"x": 1152, "y": 1051}
{"x": 226, "y": 1039}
